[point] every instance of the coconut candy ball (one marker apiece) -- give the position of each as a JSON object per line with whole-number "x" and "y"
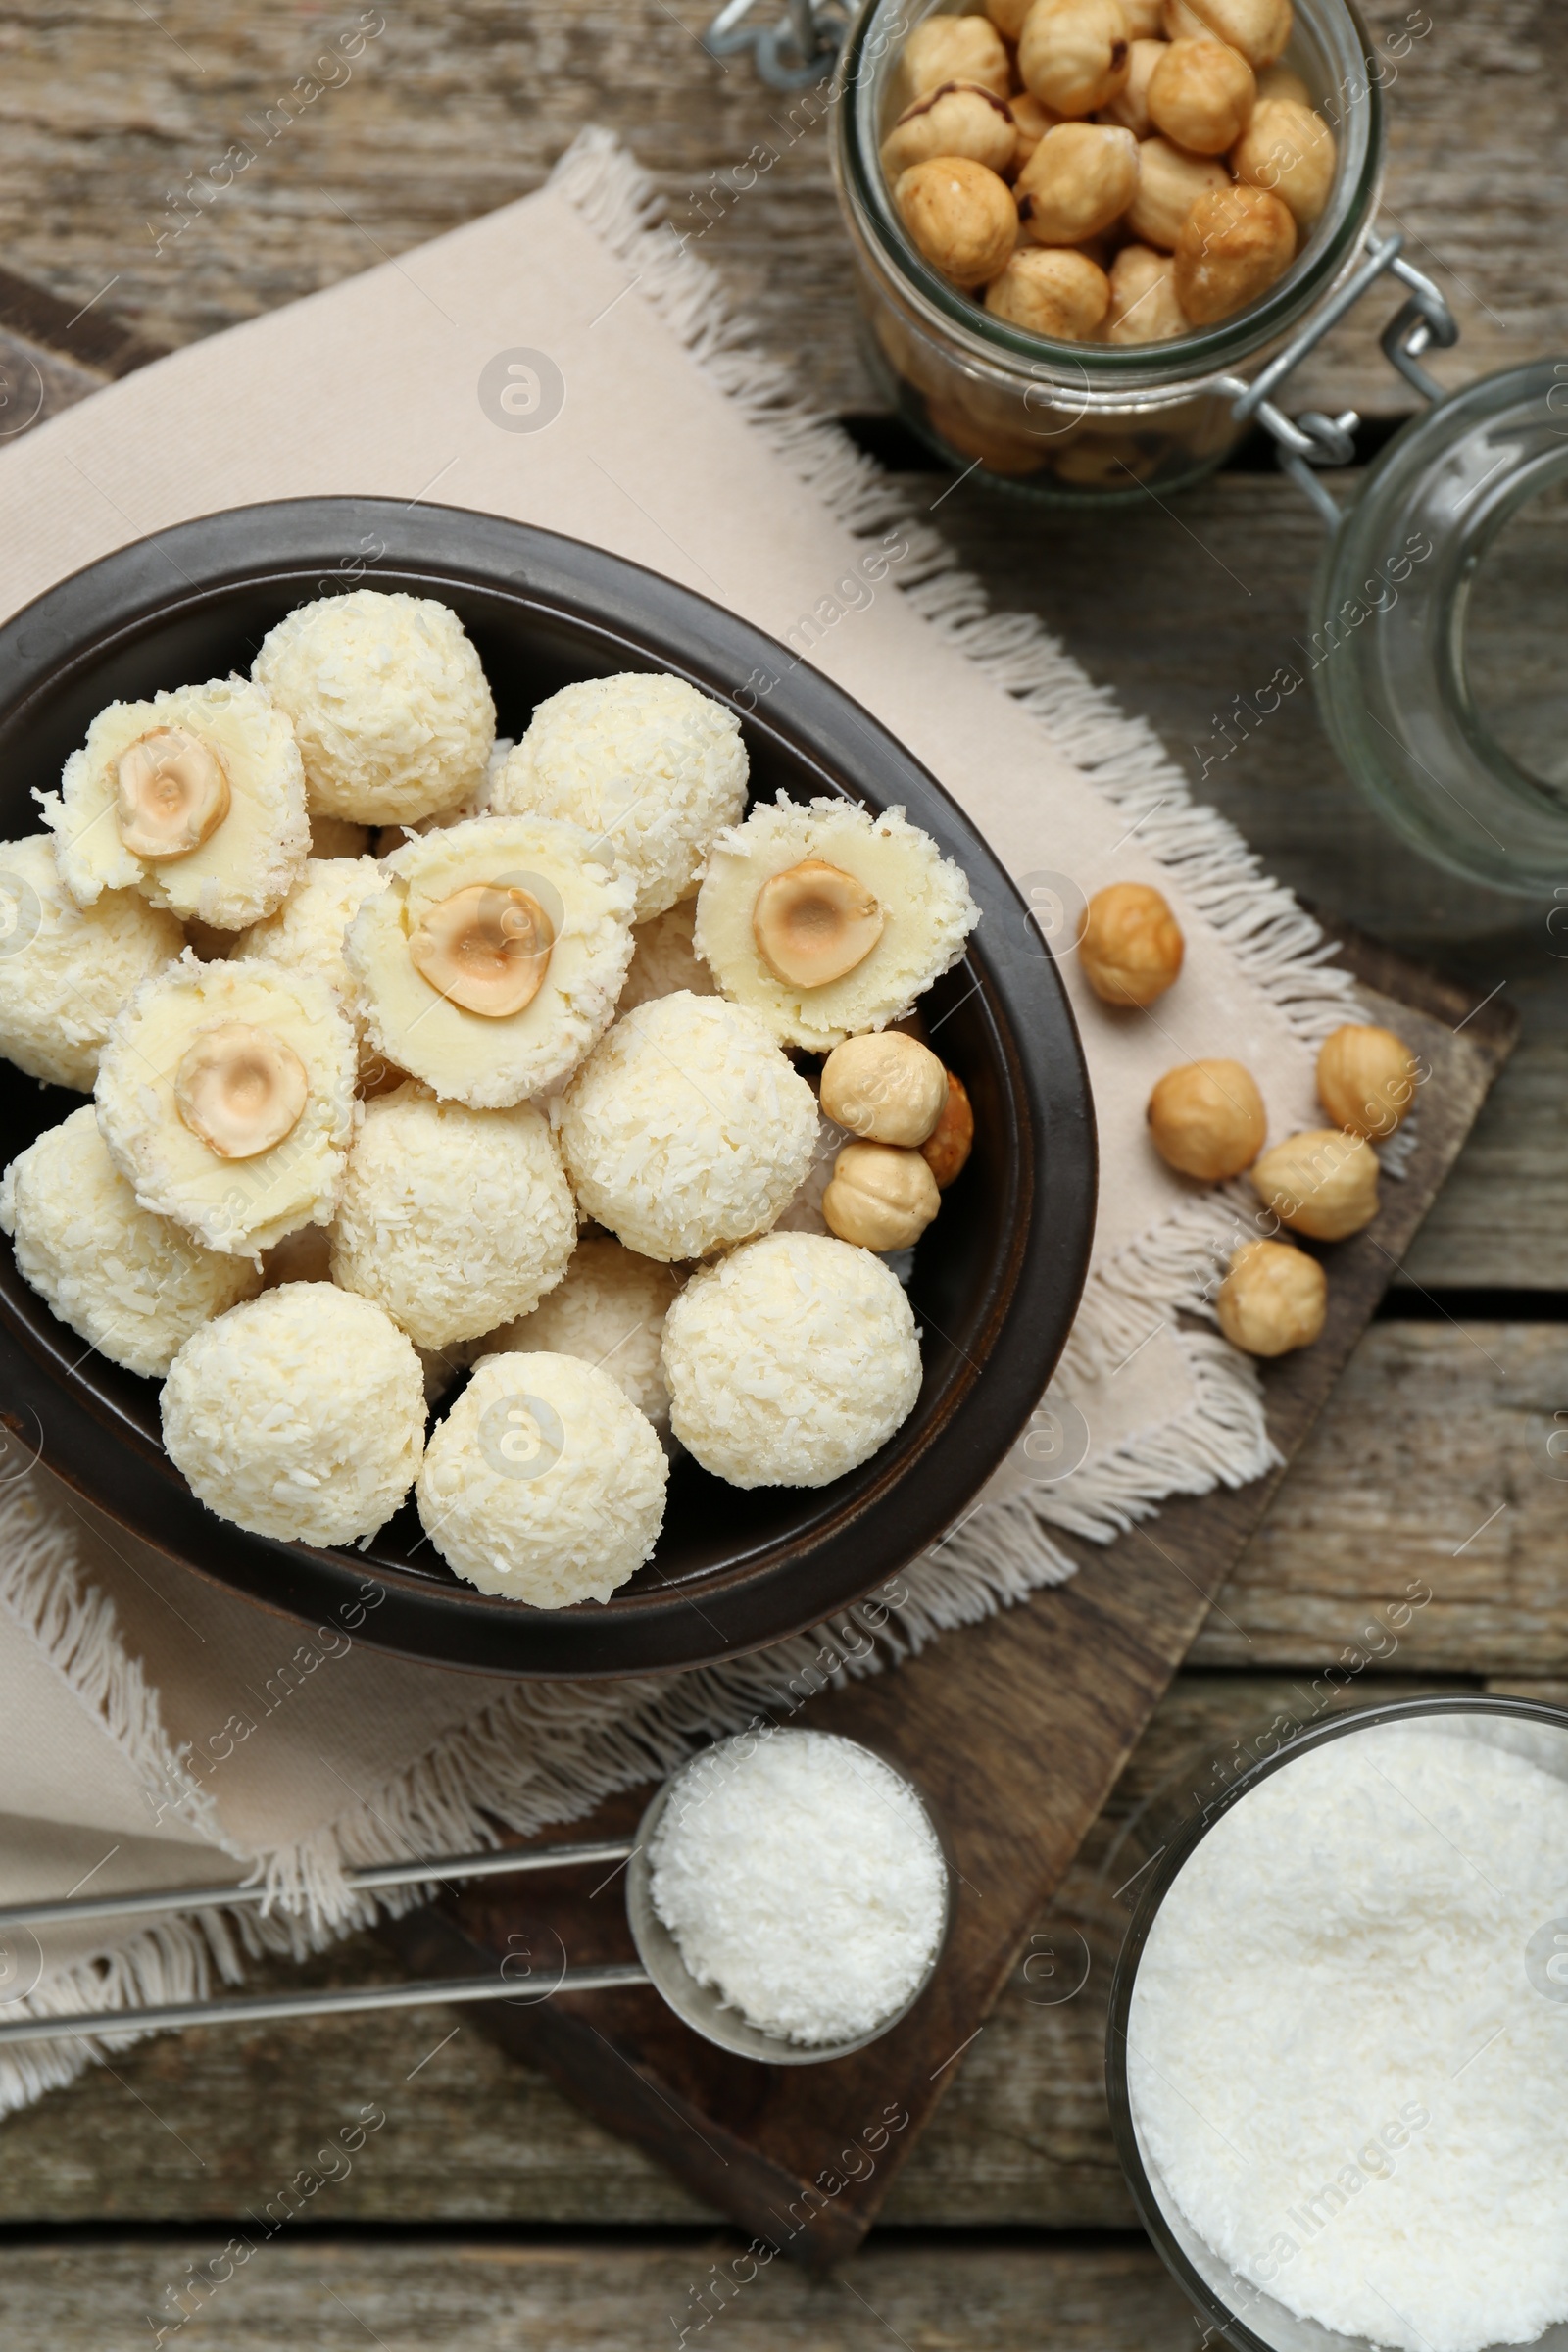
{"x": 196, "y": 799}
{"x": 473, "y": 803}
{"x": 544, "y": 1482}
{"x": 66, "y": 971}
{"x": 452, "y": 1219}
{"x": 663, "y": 960}
{"x": 608, "y": 1312}
{"x": 299, "y": 1414}
{"x": 388, "y": 702}
{"x": 804, "y": 1212}
{"x": 687, "y": 1127}
{"x": 826, "y": 920}
{"x": 493, "y": 959}
{"x": 132, "y": 1284}
{"x": 225, "y": 1095}
{"x": 308, "y": 931}
{"x": 644, "y": 764}
{"x": 789, "y": 1361}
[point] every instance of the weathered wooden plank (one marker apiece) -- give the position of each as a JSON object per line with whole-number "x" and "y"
{"x": 482, "y": 2298}
{"x": 1435, "y": 1465}
{"x": 1501, "y": 1219}
{"x": 216, "y": 2123}
{"x": 119, "y": 121}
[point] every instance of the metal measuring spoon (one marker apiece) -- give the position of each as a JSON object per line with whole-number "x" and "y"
{"x": 659, "y": 1962}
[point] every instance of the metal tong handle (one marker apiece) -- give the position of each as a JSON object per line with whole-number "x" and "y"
{"x": 499, "y": 1862}
{"x": 496, "y": 1862}
{"x": 90, "y": 2024}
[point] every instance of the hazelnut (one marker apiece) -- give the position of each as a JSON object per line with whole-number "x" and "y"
{"x": 1051, "y": 290}
{"x": 1201, "y": 95}
{"x": 1132, "y": 945}
{"x": 1144, "y": 308}
{"x": 1130, "y": 107}
{"x": 888, "y": 1087}
{"x": 1007, "y": 16}
{"x": 999, "y": 452}
{"x": 1233, "y": 246}
{"x": 1366, "y": 1079}
{"x": 170, "y": 794}
{"x": 1143, "y": 18}
{"x": 1080, "y": 179}
{"x": 813, "y": 922}
{"x": 1282, "y": 81}
{"x": 1272, "y": 1299}
{"x": 1323, "y": 1183}
{"x": 880, "y": 1197}
{"x": 1031, "y": 121}
{"x": 945, "y": 1149}
{"x": 955, "y": 49}
{"x": 1258, "y": 28}
{"x": 1074, "y": 54}
{"x": 1105, "y": 461}
{"x": 1286, "y": 149}
{"x": 961, "y": 217}
{"x": 1207, "y": 1119}
{"x": 958, "y": 119}
{"x": 485, "y": 948}
{"x": 1169, "y": 184}
{"x": 240, "y": 1089}
{"x": 1179, "y": 24}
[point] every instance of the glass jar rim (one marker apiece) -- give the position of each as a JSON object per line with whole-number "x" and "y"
{"x": 1085, "y": 370}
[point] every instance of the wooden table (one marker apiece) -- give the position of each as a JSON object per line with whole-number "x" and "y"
{"x": 485, "y": 2211}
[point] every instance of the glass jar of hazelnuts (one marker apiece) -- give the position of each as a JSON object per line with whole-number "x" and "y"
{"x": 1094, "y": 235}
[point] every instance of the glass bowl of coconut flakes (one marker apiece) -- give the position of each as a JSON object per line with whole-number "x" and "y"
{"x": 1338, "y": 2044}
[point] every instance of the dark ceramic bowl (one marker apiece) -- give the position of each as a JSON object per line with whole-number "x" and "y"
{"x": 997, "y": 1275}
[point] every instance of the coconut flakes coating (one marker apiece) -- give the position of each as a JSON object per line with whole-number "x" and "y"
{"x": 299, "y": 1414}
{"x": 132, "y": 1284}
{"x": 390, "y": 706}
{"x": 789, "y": 1361}
{"x": 687, "y": 1127}
{"x": 308, "y": 931}
{"x": 641, "y": 762}
{"x": 247, "y": 865}
{"x": 472, "y": 1057}
{"x": 454, "y": 1220}
{"x": 609, "y": 1311}
{"x": 66, "y": 971}
{"x": 235, "y": 1205}
{"x": 663, "y": 960}
{"x": 927, "y": 914}
{"x": 543, "y": 1481}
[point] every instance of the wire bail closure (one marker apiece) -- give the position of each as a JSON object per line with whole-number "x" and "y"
{"x": 800, "y": 48}
{"x": 1313, "y": 439}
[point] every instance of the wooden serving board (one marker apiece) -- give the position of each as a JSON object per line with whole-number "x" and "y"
{"x": 1017, "y": 1729}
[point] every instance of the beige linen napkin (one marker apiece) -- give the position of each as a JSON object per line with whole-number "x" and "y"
{"x": 150, "y": 1718}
